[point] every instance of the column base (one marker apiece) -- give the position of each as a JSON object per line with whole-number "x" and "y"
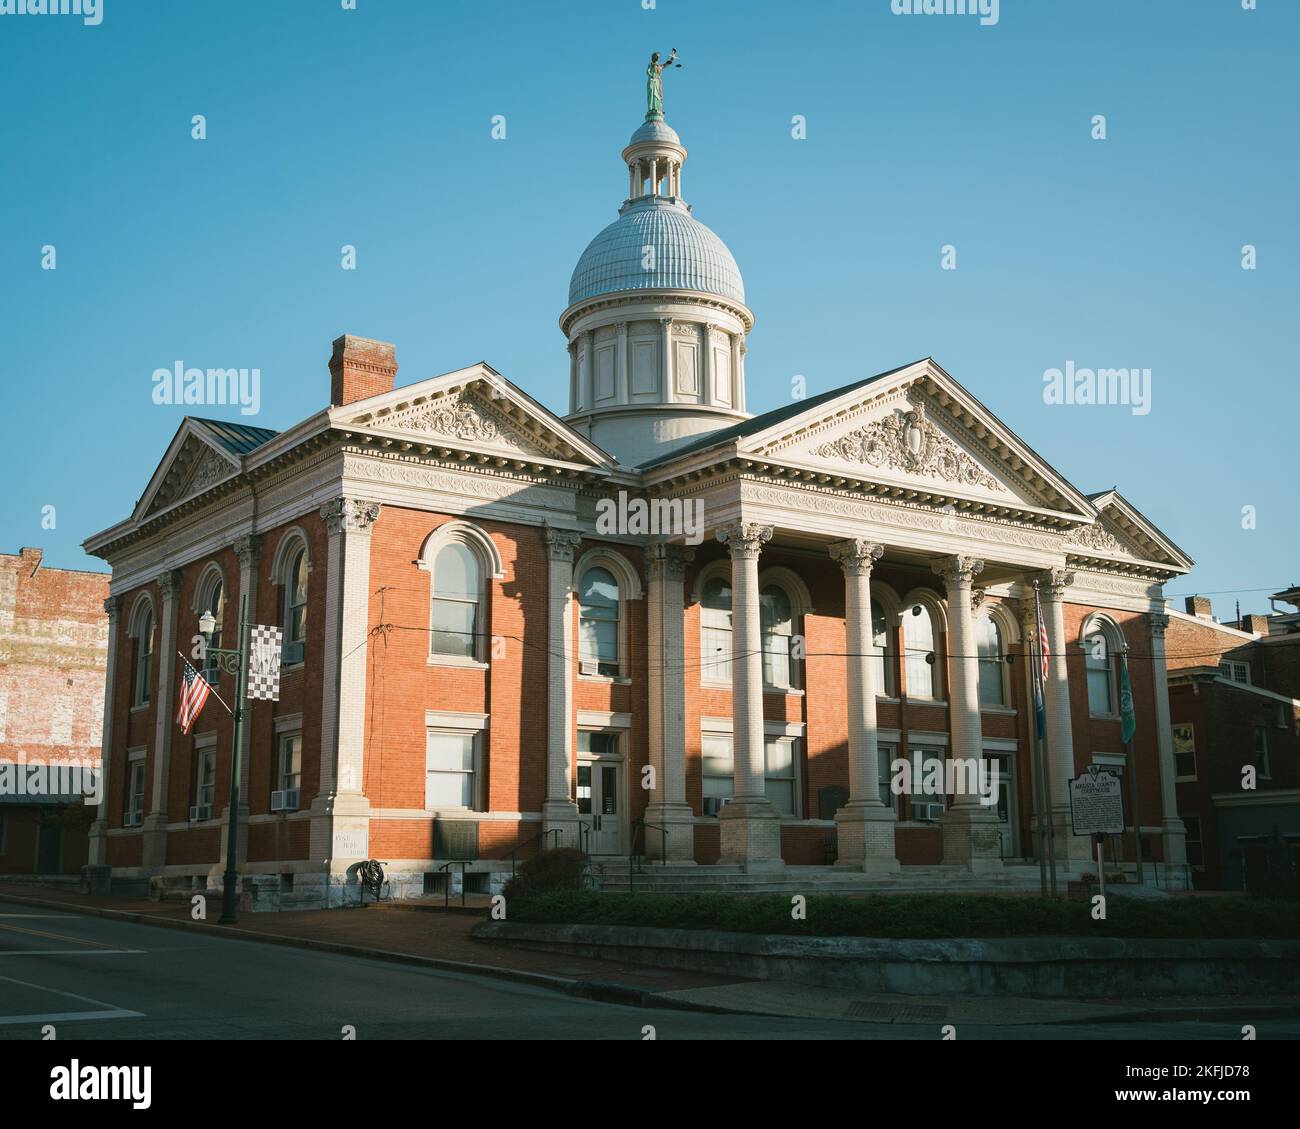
{"x": 864, "y": 837}
{"x": 751, "y": 835}
{"x": 1072, "y": 851}
{"x": 562, "y": 815}
{"x": 153, "y": 850}
{"x": 340, "y": 827}
{"x": 98, "y": 847}
{"x": 970, "y": 838}
{"x": 1175, "y": 842}
{"x": 679, "y": 820}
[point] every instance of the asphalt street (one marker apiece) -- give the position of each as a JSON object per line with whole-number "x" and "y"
{"x": 96, "y": 978}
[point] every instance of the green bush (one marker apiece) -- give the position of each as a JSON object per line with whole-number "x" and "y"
{"x": 920, "y": 915}
{"x": 561, "y": 870}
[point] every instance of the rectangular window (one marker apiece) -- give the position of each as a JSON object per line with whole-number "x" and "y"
{"x": 718, "y": 772}
{"x": 1195, "y": 848}
{"x": 781, "y": 769}
{"x": 1236, "y": 671}
{"x": 1184, "y": 752}
{"x": 205, "y": 777}
{"x": 290, "y": 768}
{"x": 885, "y": 755}
{"x": 135, "y": 794}
{"x": 1261, "y": 750}
{"x": 451, "y": 769}
{"x": 715, "y": 657}
{"x": 929, "y": 804}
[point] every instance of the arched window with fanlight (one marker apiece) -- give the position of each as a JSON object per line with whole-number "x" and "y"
{"x": 715, "y": 630}
{"x": 295, "y": 605}
{"x": 1101, "y": 645}
{"x": 457, "y": 596}
{"x": 776, "y": 626}
{"x": 920, "y": 663}
{"x": 598, "y": 622}
{"x": 881, "y": 660}
{"x": 210, "y": 597}
{"x": 142, "y": 632}
{"x": 990, "y": 651}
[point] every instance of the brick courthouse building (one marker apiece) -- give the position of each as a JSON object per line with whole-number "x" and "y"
{"x": 472, "y": 658}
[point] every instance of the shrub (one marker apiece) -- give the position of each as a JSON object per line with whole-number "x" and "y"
{"x": 564, "y": 868}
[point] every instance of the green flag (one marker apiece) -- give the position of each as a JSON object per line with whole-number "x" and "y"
{"x": 1128, "y": 722}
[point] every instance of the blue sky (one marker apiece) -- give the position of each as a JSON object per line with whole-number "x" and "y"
{"x": 373, "y": 128}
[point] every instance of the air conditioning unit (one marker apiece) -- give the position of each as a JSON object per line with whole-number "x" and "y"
{"x": 714, "y": 804}
{"x": 929, "y": 813}
{"x": 200, "y": 812}
{"x": 285, "y": 800}
{"x": 291, "y": 653}
{"x": 588, "y": 666}
{"x": 131, "y": 819}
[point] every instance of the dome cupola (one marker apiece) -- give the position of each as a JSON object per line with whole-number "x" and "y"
{"x": 656, "y": 320}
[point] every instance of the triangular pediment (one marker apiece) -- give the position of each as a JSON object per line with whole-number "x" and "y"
{"x": 1122, "y": 533}
{"x": 473, "y": 409}
{"x": 193, "y": 463}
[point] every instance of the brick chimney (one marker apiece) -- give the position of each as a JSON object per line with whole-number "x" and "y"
{"x": 359, "y": 368}
{"x": 1255, "y": 624}
{"x": 1199, "y": 606}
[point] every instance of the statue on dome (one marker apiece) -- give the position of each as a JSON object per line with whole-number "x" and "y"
{"x": 654, "y": 87}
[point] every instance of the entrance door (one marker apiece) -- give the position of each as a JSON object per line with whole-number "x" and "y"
{"x": 49, "y": 850}
{"x": 1006, "y": 806}
{"x": 600, "y": 792}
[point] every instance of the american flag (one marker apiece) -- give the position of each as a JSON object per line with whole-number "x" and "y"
{"x": 194, "y": 693}
{"x": 1040, "y": 714}
{"x": 1042, "y": 642}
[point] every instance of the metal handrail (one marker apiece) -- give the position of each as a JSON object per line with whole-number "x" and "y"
{"x": 520, "y": 846}
{"x": 446, "y": 890}
{"x": 584, "y": 836}
{"x": 631, "y": 856}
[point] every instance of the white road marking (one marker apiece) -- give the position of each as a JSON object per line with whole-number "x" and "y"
{"x": 107, "y": 1011}
{"x": 67, "y": 952}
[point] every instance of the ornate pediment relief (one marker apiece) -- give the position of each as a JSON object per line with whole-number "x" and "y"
{"x": 1103, "y": 539}
{"x": 195, "y": 468}
{"x": 462, "y": 417}
{"x": 907, "y": 440}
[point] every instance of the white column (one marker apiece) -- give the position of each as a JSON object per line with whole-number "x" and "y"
{"x": 970, "y": 829}
{"x": 622, "y": 378}
{"x": 665, "y": 669}
{"x": 706, "y": 364}
{"x": 1071, "y": 849}
{"x": 864, "y": 827}
{"x": 248, "y": 550}
{"x": 738, "y": 400}
{"x": 99, "y": 828}
{"x": 340, "y": 826}
{"x": 154, "y": 847}
{"x": 559, "y": 809}
{"x": 750, "y": 825}
{"x": 631, "y": 181}
{"x": 669, "y": 391}
{"x": 1175, "y": 832}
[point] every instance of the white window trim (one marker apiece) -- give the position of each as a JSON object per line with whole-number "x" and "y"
{"x": 143, "y": 602}
{"x": 629, "y": 588}
{"x": 796, "y": 591}
{"x": 719, "y": 568}
{"x": 1103, "y": 625}
{"x": 793, "y": 731}
{"x": 281, "y": 734}
{"x": 939, "y": 632}
{"x": 1195, "y": 760}
{"x": 490, "y": 568}
{"x": 1009, "y": 636}
{"x": 286, "y": 550}
{"x": 603, "y": 720}
{"x": 459, "y": 721}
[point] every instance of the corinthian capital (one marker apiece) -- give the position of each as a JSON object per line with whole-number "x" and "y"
{"x": 664, "y": 561}
{"x": 248, "y": 549}
{"x": 1055, "y": 581}
{"x": 169, "y": 583}
{"x": 958, "y": 571}
{"x": 1158, "y": 622}
{"x": 856, "y": 556}
{"x": 561, "y": 544}
{"x": 349, "y": 515}
{"x": 113, "y": 608}
{"x": 744, "y": 539}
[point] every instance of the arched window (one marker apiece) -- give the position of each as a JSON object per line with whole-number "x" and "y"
{"x": 457, "y": 596}
{"x": 598, "y": 622}
{"x": 1100, "y": 645}
{"x": 142, "y": 632}
{"x": 880, "y": 662}
{"x": 776, "y": 624}
{"x": 210, "y": 597}
{"x": 715, "y": 630}
{"x": 920, "y": 661}
{"x": 295, "y": 600}
{"x": 988, "y": 646}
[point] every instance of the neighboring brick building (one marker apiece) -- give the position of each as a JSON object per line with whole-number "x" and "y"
{"x": 477, "y": 655}
{"x": 1234, "y": 700}
{"x": 53, "y": 647}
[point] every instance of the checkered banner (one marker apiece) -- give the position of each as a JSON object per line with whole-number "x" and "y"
{"x": 264, "y": 663}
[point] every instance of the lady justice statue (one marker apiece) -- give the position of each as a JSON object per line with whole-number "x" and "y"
{"x": 654, "y": 86}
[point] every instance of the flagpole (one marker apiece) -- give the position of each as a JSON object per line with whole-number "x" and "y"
{"x": 1044, "y": 748}
{"x": 1035, "y": 758}
{"x": 211, "y": 689}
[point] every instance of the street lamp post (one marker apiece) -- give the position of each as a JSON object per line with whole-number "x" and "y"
{"x": 232, "y": 661}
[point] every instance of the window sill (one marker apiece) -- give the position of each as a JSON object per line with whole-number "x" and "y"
{"x": 140, "y": 708}
{"x": 715, "y": 685}
{"x": 941, "y": 704}
{"x": 1001, "y": 711}
{"x": 288, "y": 670}
{"x": 783, "y": 691}
{"x": 453, "y": 661}
{"x": 607, "y": 679}
{"x": 1104, "y": 716}
{"x": 888, "y": 699}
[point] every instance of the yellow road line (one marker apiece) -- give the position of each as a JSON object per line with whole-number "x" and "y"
{"x": 56, "y": 936}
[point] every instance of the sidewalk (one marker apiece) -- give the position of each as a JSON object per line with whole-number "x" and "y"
{"x": 424, "y": 933}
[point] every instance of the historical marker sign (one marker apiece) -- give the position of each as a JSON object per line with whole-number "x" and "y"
{"x": 1097, "y": 803}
